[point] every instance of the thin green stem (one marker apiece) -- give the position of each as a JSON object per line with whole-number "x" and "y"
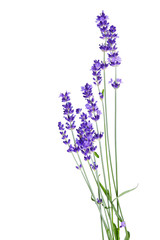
{"x": 87, "y": 181}
{"x": 101, "y": 153}
{"x": 99, "y": 196}
{"x": 106, "y": 135}
{"x": 116, "y": 162}
{"x": 97, "y": 182}
{"x": 105, "y": 175}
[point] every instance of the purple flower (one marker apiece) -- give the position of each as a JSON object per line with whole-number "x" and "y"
{"x": 70, "y": 149}
{"x": 70, "y": 126}
{"x": 65, "y": 97}
{"x": 78, "y": 110}
{"x": 61, "y": 126}
{"x": 105, "y": 47}
{"x": 98, "y": 135}
{"x": 85, "y": 138}
{"x": 63, "y": 133}
{"x": 67, "y": 108}
{"x": 123, "y": 224}
{"x": 115, "y": 84}
{"x": 87, "y": 91}
{"x": 94, "y": 166}
{"x": 94, "y": 112}
{"x": 96, "y": 71}
{"x": 114, "y": 59}
{"x": 87, "y": 157}
{"x": 83, "y": 117}
{"x": 103, "y": 24}
{"x": 99, "y": 200}
{"x": 68, "y": 113}
{"x": 104, "y": 65}
{"x": 101, "y": 95}
{"x": 109, "y": 34}
{"x": 78, "y": 167}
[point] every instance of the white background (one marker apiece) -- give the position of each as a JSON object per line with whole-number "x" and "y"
{"x": 47, "y": 47}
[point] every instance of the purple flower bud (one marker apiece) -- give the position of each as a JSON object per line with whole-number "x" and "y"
{"x": 65, "y": 97}
{"x": 115, "y": 84}
{"x": 101, "y": 95}
{"x": 70, "y": 149}
{"x": 94, "y": 166}
{"x": 61, "y": 126}
{"x": 78, "y": 110}
{"x": 123, "y": 224}
{"x": 99, "y": 200}
{"x": 78, "y": 167}
{"x": 87, "y": 91}
{"x": 103, "y": 24}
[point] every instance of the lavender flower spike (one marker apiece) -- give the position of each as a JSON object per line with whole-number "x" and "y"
{"x": 91, "y": 106}
{"x": 103, "y": 24}
{"x": 68, "y": 111}
{"x": 96, "y": 71}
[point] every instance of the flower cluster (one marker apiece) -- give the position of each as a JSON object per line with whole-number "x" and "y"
{"x": 103, "y": 24}
{"x": 94, "y": 166}
{"x": 85, "y": 137}
{"x": 94, "y": 112}
{"x": 63, "y": 133}
{"x": 68, "y": 111}
{"x": 115, "y": 84}
{"x": 96, "y": 71}
{"x": 65, "y": 97}
{"x": 108, "y": 33}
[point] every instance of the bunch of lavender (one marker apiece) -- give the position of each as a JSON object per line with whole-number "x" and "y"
{"x": 85, "y": 140}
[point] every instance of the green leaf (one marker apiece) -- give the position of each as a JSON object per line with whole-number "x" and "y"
{"x": 107, "y": 229}
{"x": 96, "y": 154}
{"x": 92, "y": 198}
{"x": 127, "y": 237}
{"x": 103, "y": 92}
{"x": 106, "y": 192}
{"x": 123, "y": 193}
{"x": 115, "y": 230}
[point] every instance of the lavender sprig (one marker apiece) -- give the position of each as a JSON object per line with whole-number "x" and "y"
{"x": 84, "y": 141}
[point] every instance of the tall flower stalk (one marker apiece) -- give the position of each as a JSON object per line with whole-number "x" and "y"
{"x": 85, "y": 140}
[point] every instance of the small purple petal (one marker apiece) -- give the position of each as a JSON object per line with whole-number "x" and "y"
{"x": 123, "y": 224}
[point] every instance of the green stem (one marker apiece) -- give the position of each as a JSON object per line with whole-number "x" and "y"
{"x": 87, "y": 181}
{"x": 105, "y": 175}
{"x": 97, "y": 182}
{"x": 116, "y": 162}
{"x": 101, "y": 153}
{"x": 99, "y": 196}
{"x": 106, "y": 136}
